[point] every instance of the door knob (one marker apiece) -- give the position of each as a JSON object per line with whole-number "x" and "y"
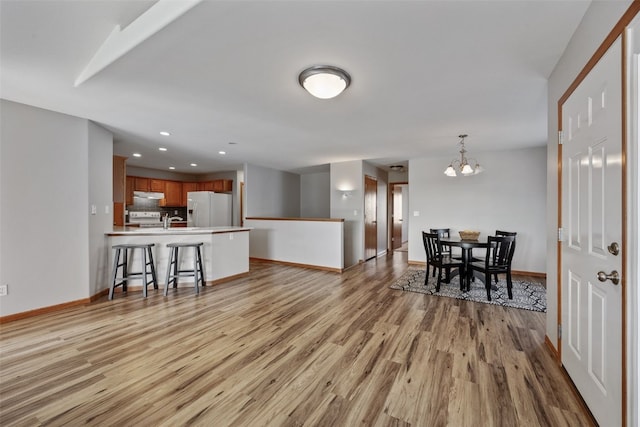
{"x": 614, "y": 248}
{"x": 614, "y": 277}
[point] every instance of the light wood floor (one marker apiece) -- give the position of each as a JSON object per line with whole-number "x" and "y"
{"x": 285, "y": 347}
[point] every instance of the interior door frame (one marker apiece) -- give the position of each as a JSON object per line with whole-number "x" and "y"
{"x": 364, "y": 213}
{"x": 390, "y": 212}
{"x": 617, "y": 31}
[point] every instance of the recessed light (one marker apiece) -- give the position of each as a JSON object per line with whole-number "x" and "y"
{"x": 172, "y": 167}
{"x": 193, "y": 164}
{"x": 222, "y": 152}
{"x": 165, "y": 133}
{"x": 162, "y": 149}
{"x": 137, "y": 155}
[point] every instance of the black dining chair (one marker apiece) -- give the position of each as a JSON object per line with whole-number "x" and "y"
{"x": 442, "y": 232}
{"x": 438, "y": 259}
{"x": 500, "y": 250}
{"x": 503, "y": 233}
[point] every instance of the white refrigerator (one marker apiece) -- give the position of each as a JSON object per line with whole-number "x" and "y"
{"x": 208, "y": 209}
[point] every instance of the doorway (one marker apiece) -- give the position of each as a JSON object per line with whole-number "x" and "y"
{"x": 592, "y": 247}
{"x": 370, "y": 217}
{"x": 399, "y": 198}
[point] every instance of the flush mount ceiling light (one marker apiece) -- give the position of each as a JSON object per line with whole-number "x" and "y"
{"x": 463, "y": 165}
{"x": 324, "y": 81}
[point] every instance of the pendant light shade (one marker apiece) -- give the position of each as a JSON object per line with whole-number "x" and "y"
{"x": 463, "y": 165}
{"x": 324, "y": 81}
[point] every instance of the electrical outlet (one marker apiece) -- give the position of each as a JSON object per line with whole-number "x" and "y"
{"x": 230, "y": 236}
{"x": 4, "y": 290}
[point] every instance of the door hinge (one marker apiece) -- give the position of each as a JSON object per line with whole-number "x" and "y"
{"x": 560, "y": 137}
{"x": 560, "y": 234}
{"x": 559, "y": 331}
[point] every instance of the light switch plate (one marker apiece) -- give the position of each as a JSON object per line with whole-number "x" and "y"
{"x": 416, "y": 213}
{"x": 94, "y": 209}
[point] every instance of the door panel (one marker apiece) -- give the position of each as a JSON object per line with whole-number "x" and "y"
{"x": 397, "y": 217}
{"x": 591, "y": 347}
{"x": 370, "y": 218}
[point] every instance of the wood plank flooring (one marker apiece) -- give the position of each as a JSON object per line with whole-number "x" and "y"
{"x": 285, "y": 346}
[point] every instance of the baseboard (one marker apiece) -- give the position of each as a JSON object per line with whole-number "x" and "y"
{"x": 552, "y": 349}
{"x": 295, "y": 264}
{"x": 529, "y": 273}
{"x": 43, "y": 310}
{"x": 515, "y": 272}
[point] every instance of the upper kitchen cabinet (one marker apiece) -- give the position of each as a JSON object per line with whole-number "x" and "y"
{"x": 205, "y": 186}
{"x": 157, "y": 185}
{"x": 186, "y": 188}
{"x": 141, "y": 184}
{"x": 223, "y": 185}
{"x": 217, "y": 185}
{"x": 173, "y": 193}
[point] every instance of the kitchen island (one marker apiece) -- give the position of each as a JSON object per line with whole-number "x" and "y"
{"x": 225, "y": 251}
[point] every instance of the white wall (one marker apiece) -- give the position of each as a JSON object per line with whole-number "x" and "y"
{"x": 271, "y": 193}
{"x": 509, "y": 195}
{"x": 44, "y": 197}
{"x": 348, "y": 176}
{"x": 598, "y": 21}
{"x": 100, "y": 169}
{"x": 315, "y": 195}
{"x": 315, "y": 243}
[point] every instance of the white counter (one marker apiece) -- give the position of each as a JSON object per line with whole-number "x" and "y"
{"x": 225, "y": 250}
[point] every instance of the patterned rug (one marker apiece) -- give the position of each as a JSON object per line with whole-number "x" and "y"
{"x": 526, "y": 295}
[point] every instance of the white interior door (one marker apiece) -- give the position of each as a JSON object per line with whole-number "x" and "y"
{"x": 592, "y": 221}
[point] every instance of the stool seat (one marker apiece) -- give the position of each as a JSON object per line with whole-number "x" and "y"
{"x": 174, "y": 272}
{"x": 148, "y": 267}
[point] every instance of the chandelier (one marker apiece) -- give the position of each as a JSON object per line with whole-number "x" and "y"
{"x": 463, "y": 165}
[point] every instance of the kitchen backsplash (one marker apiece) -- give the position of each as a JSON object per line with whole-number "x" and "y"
{"x": 181, "y": 212}
{"x": 151, "y": 205}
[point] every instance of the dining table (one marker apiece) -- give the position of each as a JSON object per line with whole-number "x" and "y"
{"x": 467, "y": 246}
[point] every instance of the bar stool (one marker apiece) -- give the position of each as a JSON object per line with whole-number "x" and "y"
{"x": 173, "y": 264}
{"x": 147, "y": 261}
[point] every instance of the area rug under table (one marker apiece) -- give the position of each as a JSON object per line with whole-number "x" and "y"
{"x": 526, "y": 295}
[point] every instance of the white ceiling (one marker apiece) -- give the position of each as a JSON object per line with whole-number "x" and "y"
{"x": 227, "y": 72}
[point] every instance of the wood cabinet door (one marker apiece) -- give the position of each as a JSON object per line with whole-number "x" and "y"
{"x": 158, "y": 185}
{"x": 141, "y": 184}
{"x": 173, "y": 193}
{"x": 186, "y": 188}
{"x": 129, "y": 190}
{"x": 218, "y": 185}
{"x": 206, "y": 186}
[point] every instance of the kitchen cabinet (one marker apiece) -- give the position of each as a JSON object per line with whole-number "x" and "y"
{"x": 119, "y": 189}
{"x": 173, "y": 193}
{"x": 141, "y": 184}
{"x": 205, "y": 186}
{"x": 157, "y": 185}
{"x": 222, "y": 185}
{"x": 129, "y": 190}
{"x": 186, "y": 188}
{"x": 217, "y": 185}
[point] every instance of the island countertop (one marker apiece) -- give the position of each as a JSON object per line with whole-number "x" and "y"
{"x": 159, "y": 231}
{"x": 225, "y": 249}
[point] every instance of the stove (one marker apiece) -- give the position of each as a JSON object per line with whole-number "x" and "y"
{"x": 145, "y": 219}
